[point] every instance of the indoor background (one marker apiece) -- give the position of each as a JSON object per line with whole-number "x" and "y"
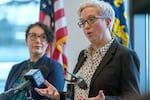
{"x": 16, "y": 15}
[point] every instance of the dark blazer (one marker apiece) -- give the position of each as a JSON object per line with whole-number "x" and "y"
{"x": 117, "y": 75}
{"x": 55, "y": 75}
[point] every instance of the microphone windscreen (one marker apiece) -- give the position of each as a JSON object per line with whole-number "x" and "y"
{"x": 44, "y": 70}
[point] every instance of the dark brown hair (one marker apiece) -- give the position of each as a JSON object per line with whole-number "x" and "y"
{"x": 47, "y": 31}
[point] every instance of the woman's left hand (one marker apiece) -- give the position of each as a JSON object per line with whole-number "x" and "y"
{"x": 100, "y": 96}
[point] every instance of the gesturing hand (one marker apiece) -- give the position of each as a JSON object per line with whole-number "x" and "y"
{"x": 100, "y": 96}
{"x": 50, "y": 91}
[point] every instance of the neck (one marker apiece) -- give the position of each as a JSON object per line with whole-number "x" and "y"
{"x": 100, "y": 44}
{"x": 35, "y": 58}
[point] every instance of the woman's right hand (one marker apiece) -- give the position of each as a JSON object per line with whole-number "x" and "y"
{"x": 50, "y": 91}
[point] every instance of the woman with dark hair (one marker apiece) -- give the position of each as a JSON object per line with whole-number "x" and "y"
{"x": 38, "y": 36}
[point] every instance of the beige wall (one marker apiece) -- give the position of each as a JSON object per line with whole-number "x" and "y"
{"x": 77, "y": 40}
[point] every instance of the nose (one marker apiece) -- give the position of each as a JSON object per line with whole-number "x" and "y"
{"x": 38, "y": 38}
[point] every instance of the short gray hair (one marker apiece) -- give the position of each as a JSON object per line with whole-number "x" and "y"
{"x": 104, "y": 9}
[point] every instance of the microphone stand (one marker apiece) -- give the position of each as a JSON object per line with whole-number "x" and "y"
{"x": 75, "y": 80}
{"x": 28, "y": 95}
{"x": 70, "y": 92}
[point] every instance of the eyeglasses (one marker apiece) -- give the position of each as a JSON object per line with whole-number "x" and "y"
{"x": 90, "y": 20}
{"x": 34, "y": 37}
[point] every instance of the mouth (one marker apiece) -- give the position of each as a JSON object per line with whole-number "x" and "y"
{"x": 89, "y": 33}
{"x": 37, "y": 47}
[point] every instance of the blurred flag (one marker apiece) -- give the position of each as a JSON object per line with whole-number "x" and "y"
{"x": 120, "y": 28}
{"x": 52, "y": 14}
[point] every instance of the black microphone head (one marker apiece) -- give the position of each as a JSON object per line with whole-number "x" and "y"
{"x": 82, "y": 83}
{"x": 37, "y": 75}
{"x": 77, "y": 80}
{"x": 44, "y": 70}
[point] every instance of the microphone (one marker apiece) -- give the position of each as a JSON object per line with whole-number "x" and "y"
{"x": 78, "y": 80}
{"x": 75, "y": 80}
{"x": 33, "y": 76}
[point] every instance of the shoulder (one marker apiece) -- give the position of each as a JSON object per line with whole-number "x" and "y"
{"x": 123, "y": 52}
{"x": 13, "y": 73}
{"x": 51, "y": 63}
{"x": 121, "y": 48}
{"x": 16, "y": 66}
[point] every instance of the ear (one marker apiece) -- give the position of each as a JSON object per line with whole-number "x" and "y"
{"x": 108, "y": 21}
{"x": 26, "y": 42}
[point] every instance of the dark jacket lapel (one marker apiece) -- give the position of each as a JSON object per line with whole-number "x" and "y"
{"x": 107, "y": 58}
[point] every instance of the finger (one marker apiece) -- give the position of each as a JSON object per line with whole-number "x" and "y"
{"x": 101, "y": 95}
{"x": 47, "y": 83}
{"x": 41, "y": 91}
{"x": 81, "y": 98}
{"x": 50, "y": 87}
{"x": 100, "y": 91}
{"x": 56, "y": 96}
{"x": 50, "y": 94}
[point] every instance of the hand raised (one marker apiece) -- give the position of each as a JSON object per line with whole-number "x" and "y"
{"x": 50, "y": 91}
{"x": 100, "y": 96}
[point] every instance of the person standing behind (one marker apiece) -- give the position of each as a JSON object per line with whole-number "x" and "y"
{"x": 38, "y": 36}
{"x": 110, "y": 70}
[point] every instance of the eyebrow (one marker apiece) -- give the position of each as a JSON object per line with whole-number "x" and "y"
{"x": 36, "y": 33}
{"x": 88, "y": 17}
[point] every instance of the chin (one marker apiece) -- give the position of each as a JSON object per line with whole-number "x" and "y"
{"x": 38, "y": 52}
{"x": 92, "y": 41}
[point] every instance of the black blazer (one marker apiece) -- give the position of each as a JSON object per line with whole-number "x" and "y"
{"x": 117, "y": 75}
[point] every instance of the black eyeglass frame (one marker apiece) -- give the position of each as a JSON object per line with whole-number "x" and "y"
{"x": 90, "y": 20}
{"x": 34, "y": 36}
